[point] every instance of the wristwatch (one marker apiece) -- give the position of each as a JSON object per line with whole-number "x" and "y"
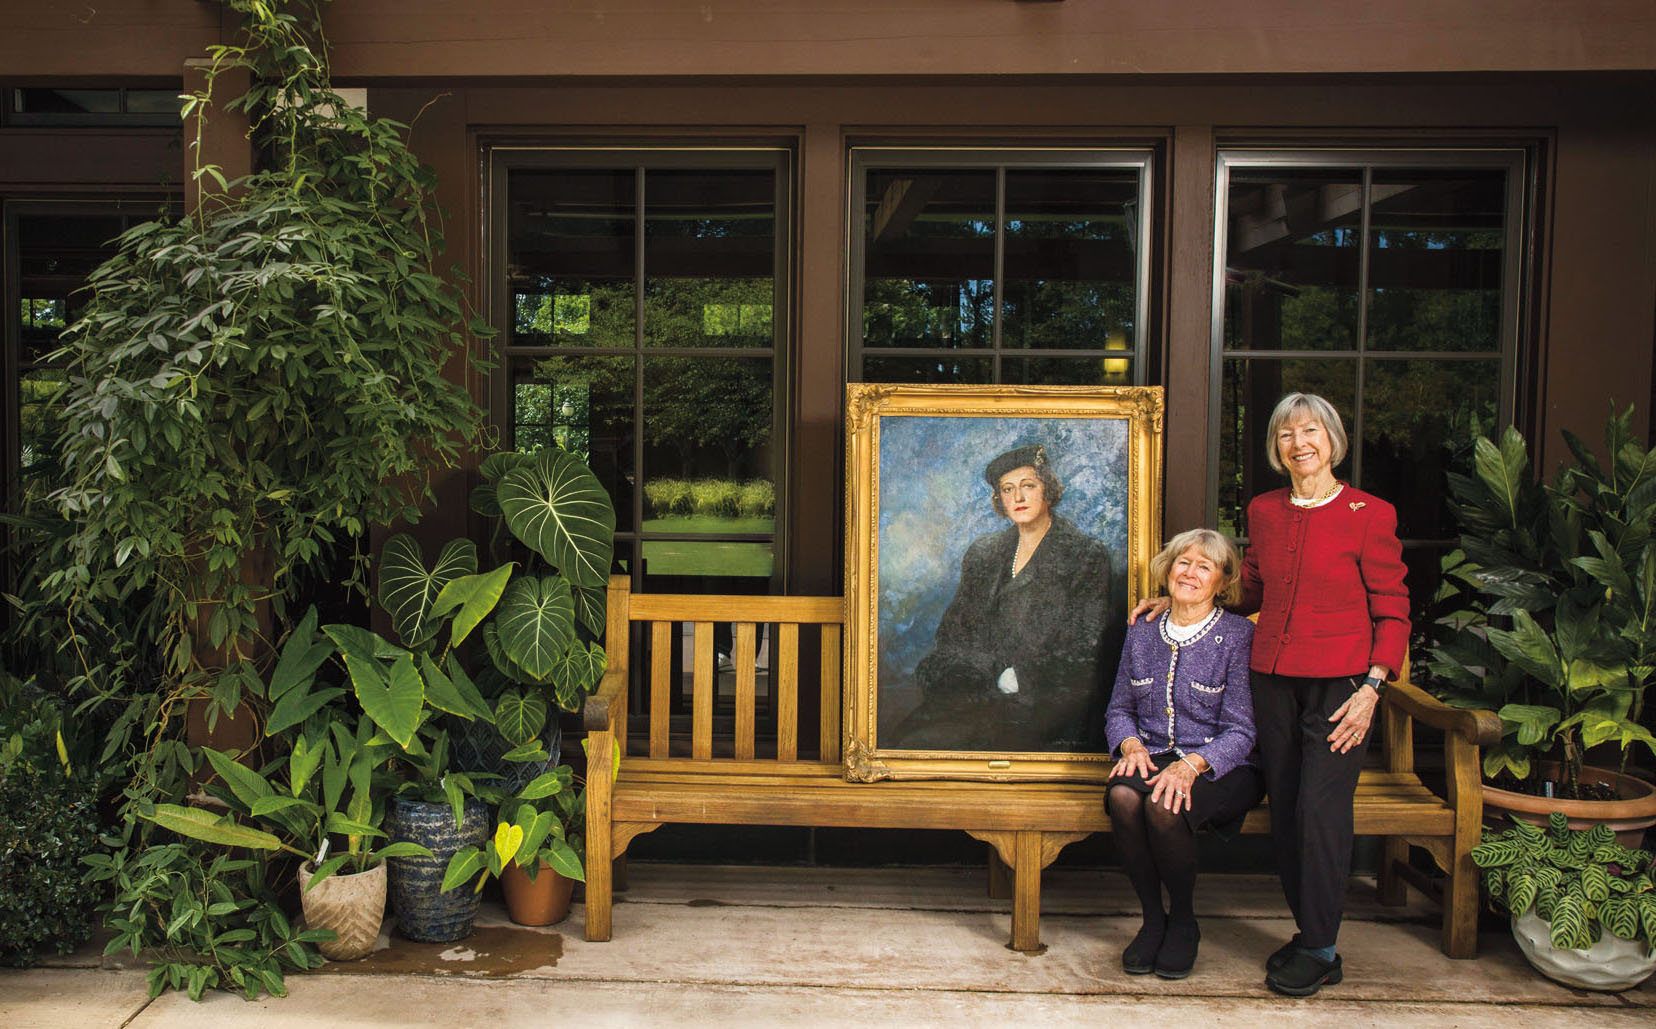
{"x": 1375, "y": 683}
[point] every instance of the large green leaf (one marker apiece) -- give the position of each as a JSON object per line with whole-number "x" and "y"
{"x": 453, "y": 693}
{"x": 559, "y": 509}
{"x": 475, "y": 596}
{"x": 301, "y": 656}
{"x": 1529, "y": 647}
{"x": 536, "y": 621}
{"x": 577, "y": 672}
{"x": 408, "y": 590}
{"x": 211, "y": 828}
{"x": 298, "y": 705}
{"x": 392, "y": 695}
{"x": 520, "y": 716}
{"x": 248, "y": 786}
{"x": 590, "y": 607}
{"x": 1504, "y": 472}
{"x": 1534, "y": 722}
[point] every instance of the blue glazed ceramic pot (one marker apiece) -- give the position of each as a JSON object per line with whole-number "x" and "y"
{"x": 425, "y": 913}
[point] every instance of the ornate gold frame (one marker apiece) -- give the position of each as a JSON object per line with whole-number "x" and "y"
{"x": 866, "y": 406}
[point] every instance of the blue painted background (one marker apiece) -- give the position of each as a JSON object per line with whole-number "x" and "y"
{"x": 934, "y": 502}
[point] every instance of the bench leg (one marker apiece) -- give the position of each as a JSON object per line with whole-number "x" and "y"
{"x": 1026, "y": 898}
{"x": 1393, "y": 890}
{"x": 1000, "y": 877}
{"x": 598, "y": 895}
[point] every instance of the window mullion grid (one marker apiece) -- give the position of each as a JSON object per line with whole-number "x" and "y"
{"x": 1364, "y": 228}
{"x": 999, "y": 270}
{"x": 639, "y": 414}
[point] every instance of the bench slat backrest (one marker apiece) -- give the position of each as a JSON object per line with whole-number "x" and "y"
{"x": 663, "y": 618}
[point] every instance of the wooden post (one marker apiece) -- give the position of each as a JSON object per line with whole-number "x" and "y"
{"x": 599, "y": 845}
{"x": 1399, "y": 744}
{"x": 1460, "y": 894}
{"x": 1026, "y": 898}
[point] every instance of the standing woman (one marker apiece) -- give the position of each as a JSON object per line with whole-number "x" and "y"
{"x": 1324, "y": 569}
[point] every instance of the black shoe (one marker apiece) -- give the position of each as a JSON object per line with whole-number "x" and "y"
{"x": 1280, "y": 956}
{"x": 1177, "y": 955}
{"x": 1140, "y": 956}
{"x": 1305, "y": 974}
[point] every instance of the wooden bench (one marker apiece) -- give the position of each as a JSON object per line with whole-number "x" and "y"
{"x": 1027, "y": 824}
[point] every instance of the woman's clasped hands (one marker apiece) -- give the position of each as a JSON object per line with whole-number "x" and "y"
{"x": 1170, "y": 787}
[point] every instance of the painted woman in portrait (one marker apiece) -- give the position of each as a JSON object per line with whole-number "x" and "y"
{"x": 1016, "y": 661}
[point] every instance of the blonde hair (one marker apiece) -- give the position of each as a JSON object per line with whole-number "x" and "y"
{"x": 1216, "y": 547}
{"x": 1305, "y": 405}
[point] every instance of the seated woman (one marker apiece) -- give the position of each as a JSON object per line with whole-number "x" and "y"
{"x": 1181, "y": 718}
{"x": 1017, "y": 660}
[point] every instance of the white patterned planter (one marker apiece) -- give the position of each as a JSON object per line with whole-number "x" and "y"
{"x": 1611, "y": 964}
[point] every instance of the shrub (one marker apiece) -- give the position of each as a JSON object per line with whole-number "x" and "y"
{"x": 758, "y": 499}
{"x": 716, "y": 497}
{"x": 47, "y": 824}
{"x": 668, "y": 497}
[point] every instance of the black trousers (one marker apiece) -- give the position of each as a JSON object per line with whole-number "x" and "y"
{"x": 1311, "y": 790}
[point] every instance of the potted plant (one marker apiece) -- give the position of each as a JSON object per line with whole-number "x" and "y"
{"x": 1583, "y": 907}
{"x": 322, "y": 791}
{"x": 535, "y": 851}
{"x": 1547, "y": 622}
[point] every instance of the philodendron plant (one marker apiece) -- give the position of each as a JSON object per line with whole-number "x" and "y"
{"x": 542, "y": 636}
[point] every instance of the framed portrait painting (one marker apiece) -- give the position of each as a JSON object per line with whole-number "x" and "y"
{"x": 996, "y": 538}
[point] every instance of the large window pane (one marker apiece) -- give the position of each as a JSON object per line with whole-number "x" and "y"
{"x": 709, "y": 258}
{"x": 1419, "y": 420}
{"x": 571, "y": 258}
{"x": 1071, "y": 263}
{"x": 584, "y": 405}
{"x": 929, "y": 258}
{"x": 1436, "y": 255}
{"x": 1291, "y": 259}
{"x": 1248, "y": 393}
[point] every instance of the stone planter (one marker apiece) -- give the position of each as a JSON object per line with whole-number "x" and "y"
{"x": 1611, "y": 964}
{"x": 351, "y": 905}
{"x": 1628, "y": 818}
{"x": 425, "y": 913}
{"x": 543, "y": 901}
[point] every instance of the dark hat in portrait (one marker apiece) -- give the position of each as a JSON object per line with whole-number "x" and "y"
{"x": 1033, "y": 456}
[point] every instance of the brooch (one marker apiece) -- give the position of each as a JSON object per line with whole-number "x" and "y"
{"x": 1357, "y": 504}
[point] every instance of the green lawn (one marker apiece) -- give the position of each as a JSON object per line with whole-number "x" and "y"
{"x": 713, "y": 557}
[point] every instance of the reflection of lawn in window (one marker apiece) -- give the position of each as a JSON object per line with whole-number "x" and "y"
{"x": 712, "y": 557}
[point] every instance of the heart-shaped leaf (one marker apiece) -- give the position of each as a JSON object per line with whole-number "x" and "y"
{"x": 507, "y": 839}
{"x": 520, "y": 716}
{"x": 536, "y": 620}
{"x": 560, "y": 510}
{"x": 392, "y": 696}
{"x": 577, "y": 673}
{"x": 407, "y": 589}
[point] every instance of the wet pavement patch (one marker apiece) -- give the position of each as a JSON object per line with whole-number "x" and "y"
{"x": 705, "y": 902}
{"x": 492, "y": 952}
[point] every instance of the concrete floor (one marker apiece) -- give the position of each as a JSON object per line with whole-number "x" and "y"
{"x": 911, "y": 947}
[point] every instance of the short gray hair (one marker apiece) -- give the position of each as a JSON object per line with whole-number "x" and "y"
{"x": 1305, "y": 405}
{"x": 1216, "y": 547}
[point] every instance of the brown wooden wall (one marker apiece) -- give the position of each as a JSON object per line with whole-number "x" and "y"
{"x": 386, "y": 39}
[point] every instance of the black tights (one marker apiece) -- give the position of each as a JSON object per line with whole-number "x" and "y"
{"x": 1157, "y": 849}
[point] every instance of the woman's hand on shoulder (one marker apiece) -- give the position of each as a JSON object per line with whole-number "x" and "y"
{"x": 1151, "y": 607}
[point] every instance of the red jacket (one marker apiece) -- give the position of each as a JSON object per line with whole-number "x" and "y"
{"x": 1328, "y": 585}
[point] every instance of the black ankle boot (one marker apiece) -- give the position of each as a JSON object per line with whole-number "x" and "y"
{"x": 1177, "y": 955}
{"x": 1140, "y": 956}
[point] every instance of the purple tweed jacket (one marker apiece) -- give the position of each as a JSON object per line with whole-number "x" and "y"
{"x": 1206, "y": 709}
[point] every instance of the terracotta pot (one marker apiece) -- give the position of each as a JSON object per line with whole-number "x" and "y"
{"x": 1628, "y": 817}
{"x": 351, "y": 905}
{"x": 544, "y": 901}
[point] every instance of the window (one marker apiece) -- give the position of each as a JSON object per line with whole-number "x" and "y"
{"x": 998, "y": 266}
{"x": 1387, "y": 282}
{"x": 641, "y": 308}
{"x": 42, "y": 105}
{"x": 50, "y": 249}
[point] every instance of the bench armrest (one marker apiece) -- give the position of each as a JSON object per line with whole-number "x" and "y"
{"x": 1480, "y": 727}
{"x": 601, "y": 709}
